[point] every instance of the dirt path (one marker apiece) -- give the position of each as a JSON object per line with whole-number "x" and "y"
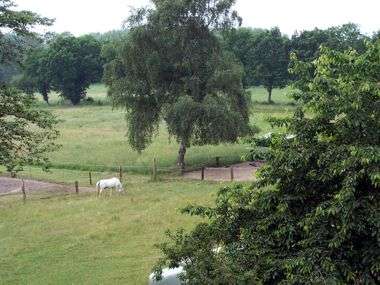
{"x": 13, "y": 185}
{"x": 241, "y": 172}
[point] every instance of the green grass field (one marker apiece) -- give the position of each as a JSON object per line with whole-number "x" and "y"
{"x": 94, "y": 136}
{"x": 85, "y": 240}
{"x": 79, "y": 239}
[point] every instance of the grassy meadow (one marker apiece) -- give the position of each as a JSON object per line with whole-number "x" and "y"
{"x": 93, "y": 136}
{"x": 80, "y": 239}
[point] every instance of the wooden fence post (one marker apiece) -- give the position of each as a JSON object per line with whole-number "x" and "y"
{"x": 23, "y": 190}
{"x": 217, "y": 159}
{"x": 203, "y": 174}
{"x": 76, "y": 187}
{"x": 232, "y": 173}
{"x": 120, "y": 173}
{"x": 154, "y": 170}
{"x": 90, "y": 177}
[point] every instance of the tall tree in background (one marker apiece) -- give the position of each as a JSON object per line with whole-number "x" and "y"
{"x": 70, "y": 65}
{"x": 26, "y": 134}
{"x": 173, "y": 67}
{"x": 36, "y": 74}
{"x": 306, "y": 44}
{"x": 242, "y": 42}
{"x": 271, "y": 60}
{"x": 313, "y": 216}
{"x": 346, "y": 36}
{"x": 20, "y": 45}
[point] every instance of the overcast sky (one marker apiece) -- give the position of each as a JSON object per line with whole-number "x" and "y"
{"x": 86, "y": 16}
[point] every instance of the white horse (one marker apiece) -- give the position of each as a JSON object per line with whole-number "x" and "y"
{"x": 104, "y": 184}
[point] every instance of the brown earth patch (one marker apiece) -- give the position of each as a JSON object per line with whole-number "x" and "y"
{"x": 13, "y": 186}
{"x": 245, "y": 171}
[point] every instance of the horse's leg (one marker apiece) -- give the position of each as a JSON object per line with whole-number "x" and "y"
{"x": 111, "y": 192}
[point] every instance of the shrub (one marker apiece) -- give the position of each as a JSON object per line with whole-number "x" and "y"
{"x": 313, "y": 216}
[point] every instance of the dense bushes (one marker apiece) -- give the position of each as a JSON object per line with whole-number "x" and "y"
{"x": 313, "y": 216}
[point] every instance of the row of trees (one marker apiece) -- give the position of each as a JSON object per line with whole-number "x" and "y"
{"x": 36, "y": 64}
{"x": 65, "y": 64}
{"x": 149, "y": 76}
{"x": 263, "y": 54}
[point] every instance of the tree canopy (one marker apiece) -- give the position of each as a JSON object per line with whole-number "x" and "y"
{"x": 19, "y": 22}
{"x": 173, "y": 67}
{"x": 26, "y": 134}
{"x": 67, "y": 65}
{"x": 36, "y": 74}
{"x": 16, "y": 38}
{"x": 312, "y": 218}
{"x": 242, "y": 42}
{"x": 271, "y": 60}
{"x": 74, "y": 64}
{"x": 306, "y": 44}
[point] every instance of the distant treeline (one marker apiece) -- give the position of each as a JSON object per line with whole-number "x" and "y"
{"x": 69, "y": 64}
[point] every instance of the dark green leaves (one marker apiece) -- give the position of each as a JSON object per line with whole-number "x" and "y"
{"x": 172, "y": 67}
{"x": 67, "y": 65}
{"x": 271, "y": 59}
{"x": 313, "y": 216}
{"x": 19, "y": 21}
{"x": 26, "y": 134}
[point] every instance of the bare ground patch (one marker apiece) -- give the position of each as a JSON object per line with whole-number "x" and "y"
{"x": 245, "y": 171}
{"x": 13, "y": 186}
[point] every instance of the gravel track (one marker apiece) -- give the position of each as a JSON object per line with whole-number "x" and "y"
{"x": 13, "y": 185}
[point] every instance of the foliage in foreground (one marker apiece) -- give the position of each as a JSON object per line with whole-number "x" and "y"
{"x": 19, "y": 22}
{"x": 26, "y": 134}
{"x": 313, "y": 217}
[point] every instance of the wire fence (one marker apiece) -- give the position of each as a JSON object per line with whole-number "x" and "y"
{"x": 163, "y": 166}
{"x": 33, "y": 180}
{"x": 66, "y": 180}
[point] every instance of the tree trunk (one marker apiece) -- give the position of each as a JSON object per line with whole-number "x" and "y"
{"x": 45, "y": 95}
{"x": 181, "y": 156}
{"x": 75, "y": 98}
{"x": 270, "y": 95}
{"x": 45, "y": 92}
